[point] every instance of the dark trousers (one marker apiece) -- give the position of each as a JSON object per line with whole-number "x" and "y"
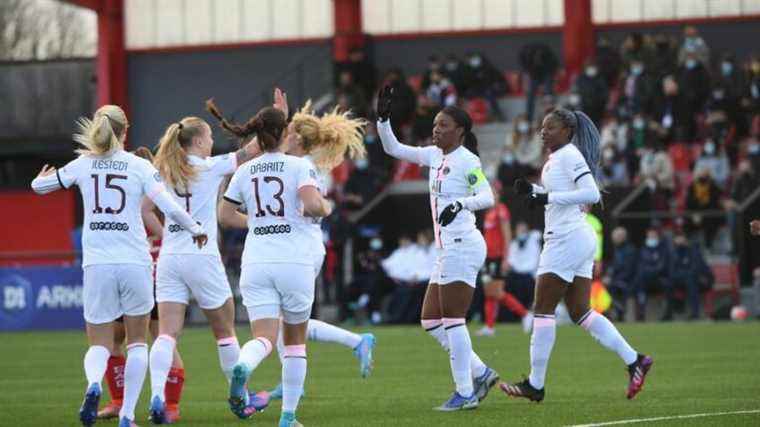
{"x": 647, "y": 281}
{"x": 688, "y": 281}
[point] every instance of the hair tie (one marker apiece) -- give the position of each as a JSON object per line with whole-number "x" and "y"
{"x": 180, "y": 126}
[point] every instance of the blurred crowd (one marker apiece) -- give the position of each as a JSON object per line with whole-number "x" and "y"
{"x": 677, "y": 120}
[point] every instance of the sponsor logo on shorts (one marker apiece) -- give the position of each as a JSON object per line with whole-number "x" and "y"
{"x": 272, "y": 229}
{"x": 109, "y": 226}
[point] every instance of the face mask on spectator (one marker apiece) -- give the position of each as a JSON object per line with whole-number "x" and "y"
{"x": 451, "y": 65}
{"x": 718, "y": 94}
{"x": 370, "y": 139}
{"x": 726, "y": 68}
{"x": 652, "y": 242}
{"x": 709, "y": 148}
{"x": 376, "y": 244}
{"x": 754, "y": 148}
{"x": 639, "y": 123}
{"x": 755, "y": 67}
{"x": 574, "y": 99}
{"x": 691, "y": 63}
{"x": 523, "y": 127}
{"x": 508, "y": 158}
{"x": 609, "y": 154}
{"x": 637, "y": 69}
{"x": 591, "y": 71}
{"x": 475, "y": 62}
{"x": 361, "y": 164}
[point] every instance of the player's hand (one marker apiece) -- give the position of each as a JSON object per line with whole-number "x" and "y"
{"x": 384, "y": 99}
{"x": 537, "y": 200}
{"x": 281, "y": 101}
{"x": 523, "y": 187}
{"x": 46, "y": 170}
{"x": 754, "y": 227}
{"x": 449, "y": 213}
{"x": 200, "y": 240}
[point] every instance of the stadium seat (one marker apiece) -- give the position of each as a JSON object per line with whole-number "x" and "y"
{"x": 514, "y": 82}
{"x": 478, "y": 109}
{"x": 681, "y": 157}
{"x": 561, "y": 81}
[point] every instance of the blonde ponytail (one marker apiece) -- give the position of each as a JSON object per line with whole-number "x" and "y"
{"x": 171, "y": 158}
{"x": 328, "y": 139}
{"x": 104, "y": 133}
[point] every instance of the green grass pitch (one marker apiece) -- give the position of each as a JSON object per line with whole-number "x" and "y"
{"x": 699, "y": 368}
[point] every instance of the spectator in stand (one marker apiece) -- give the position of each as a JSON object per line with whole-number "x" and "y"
{"x": 434, "y": 66}
{"x": 440, "y": 90}
{"x": 688, "y": 271}
{"x": 656, "y": 169}
{"x": 621, "y": 273}
{"x": 524, "y": 253}
{"x": 362, "y": 70}
{"x": 592, "y": 88}
{"x": 703, "y": 195}
{"x": 664, "y": 61}
{"x": 722, "y": 113}
{"x": 455, "y": 72}
{"x": 526, "y": 145}
{"x": 714, "y": 158}
{"x": 693, "y": 46}
{"x": 410, "y": 267}
{"x": 673, "y": 113}
{"x": 422, "y": 127}
{"x": 694, "y": 84}
{"x": 635, "y": 48}
{"x": 638, "y": 88}
{"x": 731, "y": 78}
{"x": 370, "y": 283}
{"x": 360, "y": 187}
{"x": 484, "y": 80}
{"x": 745, "y": 183}
{"x": 652, "y": 270}
{"x": 608, "y": 61}
{"x": 614, "y": 170}
{"x": 753, "y": 92}
{"x": 404, "y": 100}
{"x": 540, "y": 64}
{"x": 614, "y": 133}
{"x": 379, "y": 163}
{"x": 355, "y": 98}
{"x": 508, "y": 170}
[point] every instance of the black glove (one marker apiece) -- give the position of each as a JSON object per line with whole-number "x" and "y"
{"x": 384, "y": 99}
{"x": 523, "y": 187}
{"x": 537, "y": 200}
{"x": 449, "y": 213}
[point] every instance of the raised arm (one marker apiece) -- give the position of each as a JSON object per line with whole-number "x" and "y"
{"x": 47, "y": 181}
{"x": 391, "y": 144}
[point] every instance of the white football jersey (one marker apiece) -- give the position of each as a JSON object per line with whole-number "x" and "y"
{"x": 316, "y": 227}
{"x": 561, "y": 172}
{"x": 200, "y": 202}
{"x": 453, "y": 176}
{"x": 112, "y": 189}
{"x": 268, "y": 188}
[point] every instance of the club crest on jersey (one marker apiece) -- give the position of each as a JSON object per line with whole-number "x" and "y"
{"x": 157, "y": 177}
{"x": 472, "y": 179}
{"x": 313, "y": 174}
{"x": 446, "y": 170}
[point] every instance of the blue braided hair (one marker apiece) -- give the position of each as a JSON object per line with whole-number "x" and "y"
{"x": 585, "y": 136}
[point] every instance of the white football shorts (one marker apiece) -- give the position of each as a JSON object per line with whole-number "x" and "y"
{"x": 179, "y": 275}
{"x": 569, "y": 255}
{"x": 460, "y": 260}
{"x": 271, "y": 290}
{"x": 114, "y": 290}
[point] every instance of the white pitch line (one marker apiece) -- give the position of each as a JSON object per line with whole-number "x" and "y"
{"x": 674, "y": 417}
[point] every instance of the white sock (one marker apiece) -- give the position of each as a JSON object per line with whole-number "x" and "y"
{"x": 435, "y": 328}
{"x": 280, "y": 346}
{"x": 95, "y": 364}
{"x": 320, "y": 331}
{"x": 134, "y": 377}
{"x": 541, "y": 343}
{"x": 607, "y": 335}
{"x": 459, "y": 355}
{"x": 293, "y": 376}
{"x": 161, "y": 355}
{"x": 254, "y": 351}
{"x": 229, "y": 353}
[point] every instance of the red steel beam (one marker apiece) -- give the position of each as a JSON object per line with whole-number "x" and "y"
{"x": 578, "y": 35}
